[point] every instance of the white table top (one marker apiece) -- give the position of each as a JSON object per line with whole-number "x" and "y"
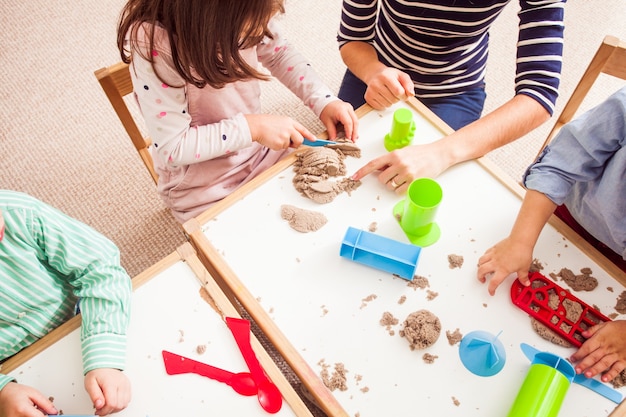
{"x": 316, "y": 297}
{"x": 168, "y": 313}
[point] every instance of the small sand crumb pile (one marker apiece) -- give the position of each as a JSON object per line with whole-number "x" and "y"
{"x": 302, "y": 220}
{"x": 455, "y": 261}
{"x": 454, "y": 337}
{"x": 535, "y": 266}
{"x": 367, "y": 299}
{"x": 428, "y": 358}
{"x": 421, "y": 329}
{"x": 315, "y": 166}
{"x": 389, "y": 320}
{"x": 431, "y": 295}
{"x": 620, "y": 306}
{"x": 338, "y": 378}
{"x": 582, "y": 282}
{"x": 418, "y": 282}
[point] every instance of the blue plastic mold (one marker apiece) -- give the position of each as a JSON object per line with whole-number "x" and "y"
{"x": 482, "y": 353}
{"x": 380, "y": 252}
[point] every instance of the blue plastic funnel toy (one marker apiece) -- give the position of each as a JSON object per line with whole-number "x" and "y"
{"x": 482, "y": 353}
{"x": 380, "y": 252}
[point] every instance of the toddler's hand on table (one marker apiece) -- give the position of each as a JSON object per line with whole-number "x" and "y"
{"x": 503, "y": 259}
{"x": 277, "y": 132}
{"x": 109, "y": 390}
{"x": 603, "y": 351}
{"x": 339, "y": 112}
{"x": 17, "y": 400}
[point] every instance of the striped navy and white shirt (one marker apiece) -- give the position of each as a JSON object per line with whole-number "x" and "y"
{"x": 443, "y": 44}
{"x": 49, "y": 261}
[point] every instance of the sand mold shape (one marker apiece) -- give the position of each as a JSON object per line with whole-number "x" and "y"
{"x": 317, "y": 166}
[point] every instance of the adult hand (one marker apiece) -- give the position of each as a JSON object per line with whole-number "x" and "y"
{"x": 17, "y": 400}
{"x": 400, "y": 167}
{"x": 388, "y": 86}
{"x": 604, "y": 351}
{"x": 506, "y": 257}
{"x": 276, "y": 132}
{"x": 109, "y": 390}
{"x": 339, "y": 111}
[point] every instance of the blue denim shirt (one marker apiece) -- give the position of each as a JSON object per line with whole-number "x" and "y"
{"x": 584, "y": 167}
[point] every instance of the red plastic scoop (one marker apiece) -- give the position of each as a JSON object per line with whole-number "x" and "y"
{"x": 270, "y": 398}
{"x": 241, "y": 382}
{"x": 556, "y": 308}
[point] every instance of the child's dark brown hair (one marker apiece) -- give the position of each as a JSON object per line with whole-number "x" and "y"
{"x": 205, "y": 36}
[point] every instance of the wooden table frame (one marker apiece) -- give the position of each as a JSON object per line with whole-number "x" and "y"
{"x": 231, "y": 284}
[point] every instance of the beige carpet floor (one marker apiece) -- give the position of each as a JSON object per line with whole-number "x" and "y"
{"x": 61, "y": 142}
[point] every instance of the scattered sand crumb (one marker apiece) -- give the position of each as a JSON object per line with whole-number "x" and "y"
{"x": 620, "y": 306}
{"x": 365, "y": 389}
{"x": 302, "y": 220}
{"x": 373, "y": 227}
{"x": 338, "y": 378}
{"x": 455, "y": 261}
{"x": 402, "y": 299}
{"x": 418, "y": 282}
{"x": 581, "y": 282}
{"x": 324, "y": 310}
{"x": 181, "y": 336}
{"x": 535, "y": 266}
{"x": 367, "y": 299}
{"x": 389, "y": 320}
{"x": 200, "y": 349}
{"x": 428, "y": 358}
{"x": 609, "y": 289}
{"x": 455, "y": 401}
{"x": 421, "y": 329}
{"x": 454, "y": 337}
{"x": 431, "y": 295}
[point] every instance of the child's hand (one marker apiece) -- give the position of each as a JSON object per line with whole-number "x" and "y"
{"x": 109, "y": 390}
{"x": 500, "y": 261}
{"x": 17, "y": 400}
{"x": 603, "y": 351}
{"x": 276, "y": 132}
{"x": 339, "y": 112}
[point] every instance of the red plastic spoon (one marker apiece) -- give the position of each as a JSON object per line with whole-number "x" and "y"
{"x": 270, "y": 397}
{"x": 242, "y": 382}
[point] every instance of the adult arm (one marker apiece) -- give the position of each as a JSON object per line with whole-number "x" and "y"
{"x": 512, "y": 120}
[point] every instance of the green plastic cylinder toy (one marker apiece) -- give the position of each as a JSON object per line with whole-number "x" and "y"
{"x": 402, "y": 130}
{"x": 544, "y": 387}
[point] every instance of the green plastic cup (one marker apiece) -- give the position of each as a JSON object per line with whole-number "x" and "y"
{"x": 544, "y": 387}
{"x": 416, "y": 213}
{"x": 402, "y": 130}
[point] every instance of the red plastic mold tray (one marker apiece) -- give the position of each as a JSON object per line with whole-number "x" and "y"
{"x": 549, "y": 303}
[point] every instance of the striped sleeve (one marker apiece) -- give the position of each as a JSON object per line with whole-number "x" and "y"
{"x": 540, "y": 51}
{"x": 91, "y": 264}
{"x": 358, "y": 21}
{"x": 65, "y": 261}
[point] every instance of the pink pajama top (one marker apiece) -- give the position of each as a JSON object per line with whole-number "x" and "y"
{"x": 202, "y": 146}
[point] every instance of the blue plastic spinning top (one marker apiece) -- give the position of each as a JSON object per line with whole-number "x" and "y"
{"x": 482, "y": 353}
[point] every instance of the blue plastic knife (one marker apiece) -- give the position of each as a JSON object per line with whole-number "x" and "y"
{"x": 318, "y": 142}
{"x": 581, "y": 379}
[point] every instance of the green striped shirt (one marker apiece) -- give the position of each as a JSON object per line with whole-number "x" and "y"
{"x": 49, "y": 263}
